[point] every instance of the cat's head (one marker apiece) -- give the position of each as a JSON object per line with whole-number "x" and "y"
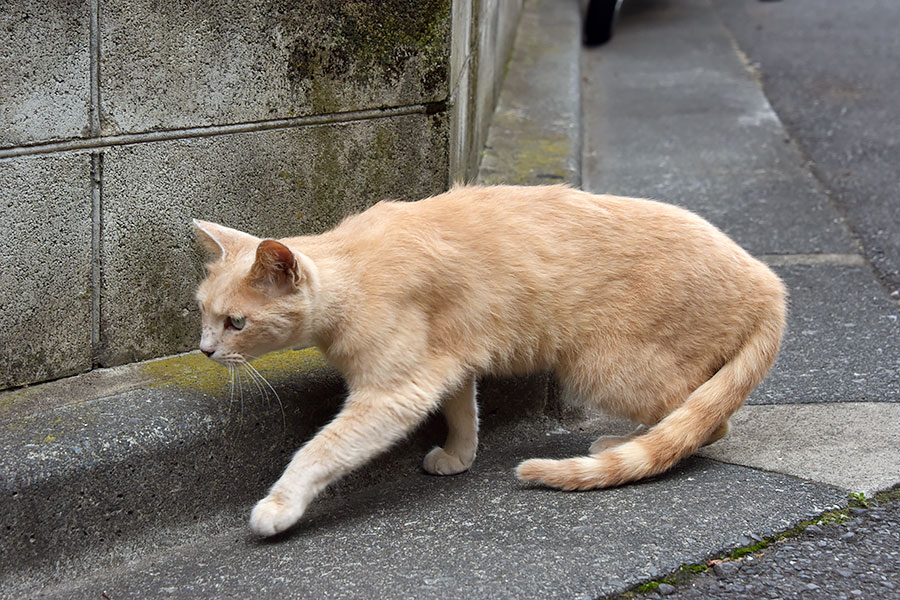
{"x": 257, "y": 296}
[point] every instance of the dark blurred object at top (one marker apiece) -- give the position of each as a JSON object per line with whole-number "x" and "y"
{"x": 598, "y": 22}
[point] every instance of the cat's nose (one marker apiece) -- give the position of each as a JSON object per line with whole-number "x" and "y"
{"x": 207, "y": 343}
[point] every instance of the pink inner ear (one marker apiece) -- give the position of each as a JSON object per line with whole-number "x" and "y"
{"x": 275, "y": 262}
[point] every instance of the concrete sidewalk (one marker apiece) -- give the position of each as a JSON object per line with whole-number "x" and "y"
{"x": 137, "y": 482}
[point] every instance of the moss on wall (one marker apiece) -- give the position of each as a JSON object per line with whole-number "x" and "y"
{"x": 403, "y": 43}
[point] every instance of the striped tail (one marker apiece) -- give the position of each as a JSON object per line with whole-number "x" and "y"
{"x": 678, "y": 435}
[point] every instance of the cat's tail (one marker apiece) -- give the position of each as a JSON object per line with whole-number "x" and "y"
{"x": 679, "y": 434}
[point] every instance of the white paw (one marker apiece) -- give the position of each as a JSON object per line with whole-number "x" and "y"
{"x": 273, "y": 514}
{"x": 438, "y": 462}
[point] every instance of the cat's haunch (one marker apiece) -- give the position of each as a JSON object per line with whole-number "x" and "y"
{"x": 640, "y": 308}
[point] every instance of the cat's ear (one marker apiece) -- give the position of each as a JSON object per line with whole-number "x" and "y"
{"x": 219, "y": 240}
{"x": 278, "y": 266}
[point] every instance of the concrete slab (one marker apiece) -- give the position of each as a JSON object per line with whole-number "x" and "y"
{"x": 479, "y": 535}
{"x": 535, "y": 135}
{"x": 45, "y": 71}
{"x": 188, "y": 65}
{"x": 497, "y": 31}
{"x": 850, "y": 445}
{"x": 273, "y": 183}
{"x": 671, "y": 112}
{"x": 841, "y": 344}
{"x": 45, "y": 268}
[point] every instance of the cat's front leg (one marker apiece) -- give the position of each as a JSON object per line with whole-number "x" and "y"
{"x": 370, "y": 422}
{"x": 461, "y": 413}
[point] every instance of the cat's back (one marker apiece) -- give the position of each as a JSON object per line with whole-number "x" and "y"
{"x": 554, "y": 221}
{"x": 549, "y": 229}
{"x": 467, "y": 214}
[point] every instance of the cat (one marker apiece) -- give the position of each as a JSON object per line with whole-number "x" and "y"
{"x": 640, "y": 308}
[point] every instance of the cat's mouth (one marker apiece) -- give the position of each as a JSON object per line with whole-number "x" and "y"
{"x": 230, "y": 360}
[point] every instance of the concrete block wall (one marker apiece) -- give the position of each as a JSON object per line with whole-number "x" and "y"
{"x": 119, "y": 122}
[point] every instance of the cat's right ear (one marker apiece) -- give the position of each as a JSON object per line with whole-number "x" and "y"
{"x": 219, "y": 240}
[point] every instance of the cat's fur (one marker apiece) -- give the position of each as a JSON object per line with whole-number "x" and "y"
{"x": 640, "y": 308}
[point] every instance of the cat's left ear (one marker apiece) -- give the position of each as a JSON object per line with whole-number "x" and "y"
{"x": 278, "y": 266}
{"x": 219, "y": 240}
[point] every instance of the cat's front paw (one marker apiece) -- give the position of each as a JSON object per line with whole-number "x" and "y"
{"x": 439, "y": 462}
{"x": 273, "y": 514}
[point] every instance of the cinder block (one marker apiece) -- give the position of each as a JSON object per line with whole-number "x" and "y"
{"x": 45, "y": 268}
{"x": 185, "y": 64}
{"x": 274, "y": 183}
{"x": 44, "y": 70}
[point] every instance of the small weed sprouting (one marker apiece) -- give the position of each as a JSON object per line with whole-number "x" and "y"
{"x": 858, "y": 499}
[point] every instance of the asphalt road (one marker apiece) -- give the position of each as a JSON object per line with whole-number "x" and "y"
{"x": 830, "y": 70}
{"x": 837, "y": 561}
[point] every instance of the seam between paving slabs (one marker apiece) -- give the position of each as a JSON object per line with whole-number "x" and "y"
{"x": 780, "y": 473}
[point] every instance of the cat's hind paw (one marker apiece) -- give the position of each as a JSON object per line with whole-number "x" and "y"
{"x": 439, "y": 462}
{"x": 273, "y": 514}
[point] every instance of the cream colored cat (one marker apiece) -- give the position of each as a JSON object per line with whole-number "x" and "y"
{"x": 640, "y": 308}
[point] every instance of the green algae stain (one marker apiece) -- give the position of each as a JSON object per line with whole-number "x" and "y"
{"x": 196, "y": 372}
{"x": 9, "y": 398}
{"x": 20, "y": 424}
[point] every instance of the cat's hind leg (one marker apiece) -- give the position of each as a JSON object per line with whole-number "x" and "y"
{"x": 461, "y": 413}
{"x": 719, "y": 433}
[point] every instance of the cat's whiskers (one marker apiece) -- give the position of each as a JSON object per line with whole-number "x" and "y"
{"x": 240, "y": 393}
{"x": 231, "y": 392}
{"x": 265, "y": 394}
{"x": 262, "y": 378}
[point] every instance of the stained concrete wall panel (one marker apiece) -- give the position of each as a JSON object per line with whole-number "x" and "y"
{"x": 45, "y": 268}
{"x": 44, "y": 70}
{"x": 184, "y": 64}
{"x": 275, "y": 183}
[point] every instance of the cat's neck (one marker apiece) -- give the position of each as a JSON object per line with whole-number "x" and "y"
{"x": 327, "y": 313}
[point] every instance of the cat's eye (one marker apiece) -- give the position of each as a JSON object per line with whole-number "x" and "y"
{"x": 235, "y": 323}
